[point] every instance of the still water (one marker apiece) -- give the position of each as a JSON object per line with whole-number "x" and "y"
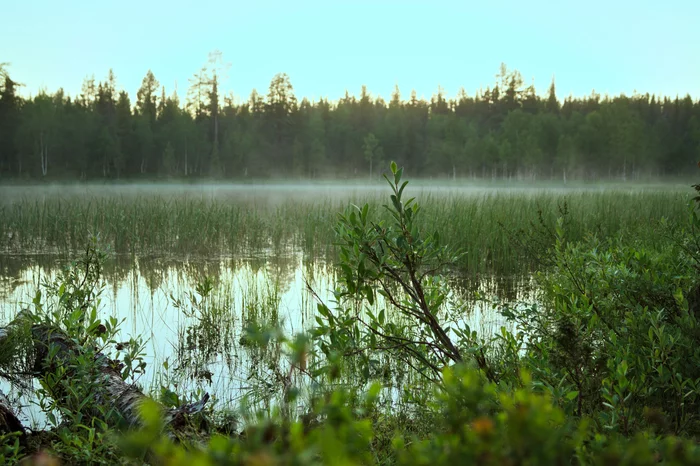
{"x": 202, "y": 346}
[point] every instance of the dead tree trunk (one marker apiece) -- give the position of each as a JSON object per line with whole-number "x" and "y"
{"x": 113, "y": 393}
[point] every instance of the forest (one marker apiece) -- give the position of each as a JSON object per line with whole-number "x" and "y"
{"x": 507, "y": 131}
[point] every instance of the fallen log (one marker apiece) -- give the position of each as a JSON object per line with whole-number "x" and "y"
{"x": 51, "y": 347}
{"x": 8, "y": 419}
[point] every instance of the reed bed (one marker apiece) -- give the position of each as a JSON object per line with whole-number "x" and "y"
{"x": 486, "y": 224}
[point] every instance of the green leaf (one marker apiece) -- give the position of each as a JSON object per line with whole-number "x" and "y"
{"x": 373, "y": 392}
{"x": 397, "y": 175}
{"x": 396, "y": 203}
{"x": 571, "y": 395}
{"x": 403, "y": 185}
{"x": 369, "y": 293}
{"x": 322, "y": 309}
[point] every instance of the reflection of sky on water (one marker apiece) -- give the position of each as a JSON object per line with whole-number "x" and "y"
{"x": 140, "y": 291}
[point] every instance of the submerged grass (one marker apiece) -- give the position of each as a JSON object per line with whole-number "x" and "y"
{"x": 482, "y": 223}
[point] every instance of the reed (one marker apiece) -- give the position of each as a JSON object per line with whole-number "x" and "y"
{"x": 483, "y": 223}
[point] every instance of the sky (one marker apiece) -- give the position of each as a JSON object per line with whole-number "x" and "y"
{"x": 330, "y": 46}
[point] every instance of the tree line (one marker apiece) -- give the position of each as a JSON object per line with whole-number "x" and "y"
{"x": 507, "y": 130}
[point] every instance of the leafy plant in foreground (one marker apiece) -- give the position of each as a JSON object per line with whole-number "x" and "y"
{"x": 75, "y": 342}
{"x": 614, "y": 336}
{"x": 401, "y": 264}
{"x": 478, "y": 423}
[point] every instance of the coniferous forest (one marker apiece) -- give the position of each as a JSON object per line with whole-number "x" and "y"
{"x": 506, "y": 130}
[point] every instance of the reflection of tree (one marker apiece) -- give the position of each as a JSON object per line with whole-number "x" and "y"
{"x": 508, "y": 288}
{"x": 11, "y": 270}
{"x": 321, "y": 275}
{"x": 256, "y": 263}
{"x": 153, "y": 271}
{"x": 11, "y": 267}
{"x": 117, "y": 268}
{"x": 279, "y": 269}
{"x": 14, "y": 269}
{"x": 283, "y": 269}
{"x": 195, "y": 271}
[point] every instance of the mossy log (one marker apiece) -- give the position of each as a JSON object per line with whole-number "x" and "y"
{"x": 112, "y": 392}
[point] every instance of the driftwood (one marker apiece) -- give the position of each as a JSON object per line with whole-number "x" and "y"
{"x": 112, "y": 392}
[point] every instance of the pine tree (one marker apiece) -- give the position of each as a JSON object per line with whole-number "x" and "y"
{"x": 373, "y": 151}
{"x": 552, "y": 104}
{"x": 9, "y": 122}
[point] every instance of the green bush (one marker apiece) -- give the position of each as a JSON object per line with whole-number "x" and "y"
{"x": 477, "y": 424}
{"x": 613, "y": 336}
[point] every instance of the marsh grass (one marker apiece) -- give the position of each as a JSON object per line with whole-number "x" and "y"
{"x": 484, "y": 224}
{"x": 227, "y": 340}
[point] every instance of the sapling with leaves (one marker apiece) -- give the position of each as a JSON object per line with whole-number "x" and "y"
{"x": 402, "y": 264}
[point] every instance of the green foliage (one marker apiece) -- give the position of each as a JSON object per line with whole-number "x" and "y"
{"x": 342, "y": 438}
{"x": 615, "y": 334}
{"x": 396, "y": 261}
{"x": 485, "y": 425}
{"x": 70, "y": 365}
{"x": 10, "y": 448}
{"x": 477, "y": 423}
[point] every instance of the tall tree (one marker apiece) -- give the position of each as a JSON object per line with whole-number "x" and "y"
{"x": 38, "y": 133}
{"x": 373, "y": 151}
{"x": 9, "y": 121}
{"x": 552, "y": 104}
{"x": 279, "y": 117}
{"x": 108, "y": 140}
{"x": 147, "y": 95}
{"x": 125, "y": 133}
{"x": 145, "y": 119}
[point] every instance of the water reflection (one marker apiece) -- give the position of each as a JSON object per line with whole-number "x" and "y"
{"x": 207, "y": 349}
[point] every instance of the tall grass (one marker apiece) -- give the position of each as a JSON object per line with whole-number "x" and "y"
{"x": 482, "y": 223}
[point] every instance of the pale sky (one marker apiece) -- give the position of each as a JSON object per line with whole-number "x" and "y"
{"x": 330, "y": 46}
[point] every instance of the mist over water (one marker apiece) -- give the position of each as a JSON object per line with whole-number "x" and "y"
{"x": 281, "y": 191}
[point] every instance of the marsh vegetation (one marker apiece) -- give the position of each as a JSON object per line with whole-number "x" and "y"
{"x": 264, "y": 298}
